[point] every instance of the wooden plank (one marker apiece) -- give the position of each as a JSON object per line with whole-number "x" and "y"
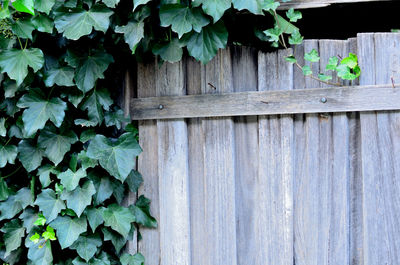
{"x": 244, "y": 70}
{"x": 380, "y": 166}
{"x": 302, "y": 4}
{"x": 173, "y": 173}
{"x": 149, "y": 246}
{"x": 219, "y": 186}
{"x": 343, "y": 99}
{"x": 274, "y": 189}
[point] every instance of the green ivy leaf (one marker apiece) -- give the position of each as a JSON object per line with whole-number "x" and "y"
{"x": 35, "y": 238}
{"x": 293, "y": 15}
{"x": 90, "y": 69}
{"x": 332, "y": 63}
{"x": 307, "y": 70}
{"x": 44, "y": 174}
{"x": 28, "y": 218}
{"x": 285, "y": 25}
{"x": 171, "y": 51}
{"x": 291, "y": 59}
{"x": 312, "y": 56}
{"x": 3, "y": 130}
{"x": 56, "y": 145}
{"x": 273, "y": 34}
{"x": 119, "y": 218}
{"x": 15, "y": 62}
{"x": 15, "y": 203}
{"x": 134, "y": 181}
{"x": 133, "y": 33}
{"x": 40, "y": 110}
{"x": 116, "y": 157}
{"x": 43, "y": 24}
{"x": 104, "y": 188}
{"x": 41, "y": 220}
{"x": 204, "y": 45}
{"x": 255, "y": 6}
{"x": 142, "y": 212}
{"x": 98, "y": 100}
{"x": 61, "y": 76}
{"x": 77, "y": 22}
{"x": 111, "y": 3}
{"x": 86, "y": 162}
{"x": 30, "y": 155}
{"x": 8, "y": 153}
{"x": 214, "y": 8}
{"x": 79, "y": 198}
{"x": 26, "y": 6}
{"x": 295, "y": 38}
{"x": 49, "y": 234}
{"x": 87, "y": 135}
{"x": 4, "y": 191}
{"x": 86, "y": 246}
{"x": 137, "y": 3}
{"x": 95, "y": 217}
{"x": 182, "y": 19}
{"x": 68, "y": 229}
{"x": 44, "y": 6}
{"x": 23, "y": 28}
{"x": 49, "y": 204}
{"x": 128, "y": 259}
{"x": 40, "y": 256}
{"x": 350, "y": 61}
{"x": 13, "y": 233}
{"x": 324, "y": 77}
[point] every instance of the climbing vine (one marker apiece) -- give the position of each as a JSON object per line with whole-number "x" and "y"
{"x": 67, "y": 152}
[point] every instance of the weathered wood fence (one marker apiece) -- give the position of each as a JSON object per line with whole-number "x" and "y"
{"x": 305, "y": 189}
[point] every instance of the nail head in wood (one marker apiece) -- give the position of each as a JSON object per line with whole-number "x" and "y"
{"x": 323, "y": 100}
{"x": 160, "y": 106}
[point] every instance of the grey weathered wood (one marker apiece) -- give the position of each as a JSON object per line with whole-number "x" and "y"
{"x": 219, "y": 186}
{"x": 344, "y": 99}
{"x": 380, "y": 165}
{"x": 149, "y": 246}
{"x": 244, "y": 67}
{"x": 302, "y": 4}
{"x": 274, "y": 218}
{"x": 173, "y": 173}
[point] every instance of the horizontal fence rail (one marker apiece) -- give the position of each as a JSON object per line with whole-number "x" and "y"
{"x": 319, "y": 100}
{"x": 302, "y": 4}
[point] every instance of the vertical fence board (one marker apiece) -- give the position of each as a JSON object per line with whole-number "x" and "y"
{"x": 380, "y": 166}
{"x": 275, "y": 191}
{"x": 173, "y": 173}
{"x": 244, "y": 70}
{"x": 149, "y": 246}
{"x": 219, "y": 215}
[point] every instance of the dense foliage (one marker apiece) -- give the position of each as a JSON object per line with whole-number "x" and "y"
{"x": 66, "y": 162}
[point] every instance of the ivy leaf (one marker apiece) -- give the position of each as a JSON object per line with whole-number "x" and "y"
{"x": 56, "y": 145}
{"x": 4, "y": 191}
{"x": 90, "y": 69}
{"x": 137, "y": 3}
{"x": 133, "y": 33}
{"x": 142, "y": 212}
{"x": 86, "y": 246}
{"x": 15, "y": 203}
{"x": 332, "y": 63}
{"x": 293, "y": 15}
{"x": 43, "y": 24}
{"x": 324, "y": 77}
{"x": 23, "y": 28}
{"x": 116, "y": 157}
{"x": 255, "y": 6}
{"x": 79, "y": 198}
{"x": 41, "y": 220}
{"x": 134, "y": 181}
{"x": 30, "y": 155}
{"x": 273, "y": 34}
{"x": 40, "y": 110}
{"x": 110, "y": 3}
{"x": 98, "y": 100}
{"x": 77, "y": 22}
{"x": 214, "y": 8}
{"x": 49, "y": 204}
{"x": 204, "y": 45}
{"x": 128, "y": 259}
{"x": 87, "y": 135}
{"x": 86, "y": 162}
{"x": 44, "y": 174}
{"x": 116, "y": 239}
{"x": 182, "y": 19}
{"x": 68, "y": 229}
{"x": 15, "y": 62}
{"x": 291, "y": 59}
{"x": 119, "y": 218}
{"x": 8, "y": 153}
{"x": 3, "y": 130}
{"x": 70, "y": 179}
{"x": 95, "y": 217}
{"x": 104, "y": 188}
{"x": 26, "y": 6}
{"x": 49, "y": 234}
{"x": 40, "y": 256}
{"x": 170, "y": 51}
{"x": 295, "y": 38}
{"x": 35, "y": 238}
{"x": 350, "y": 61}
{"x": 13, "y": 233}
{"x": 61, "y": 76}
{"x": 307, "y": 70}
{"x": 312, "y": 56}
{"x": 44, "y": 6}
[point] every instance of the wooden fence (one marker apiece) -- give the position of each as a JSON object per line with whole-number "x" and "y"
{"x": 283, "y": 189}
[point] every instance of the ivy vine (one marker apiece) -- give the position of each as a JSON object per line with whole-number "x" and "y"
{"x": 66, "y": 158}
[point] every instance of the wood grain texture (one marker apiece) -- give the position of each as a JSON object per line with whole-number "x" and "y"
{"x": 244, "y": 67}
{"x": 344, "y": 99}
{"x": 149, "y": 246}
{"x": 219, "y": 187}
{"x": 173, "y": 173}
{"x": 379, "y": 57}
{"x": 302, "y": 4}
{"x": 275, "y": 179}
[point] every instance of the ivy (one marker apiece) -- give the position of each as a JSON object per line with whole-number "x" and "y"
{"x": 67, "y": 152}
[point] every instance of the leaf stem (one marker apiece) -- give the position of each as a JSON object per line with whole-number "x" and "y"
{"x": 12, "y": 173}
{"x": 26, "y": 43}
{"x": 20, "y": 44}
